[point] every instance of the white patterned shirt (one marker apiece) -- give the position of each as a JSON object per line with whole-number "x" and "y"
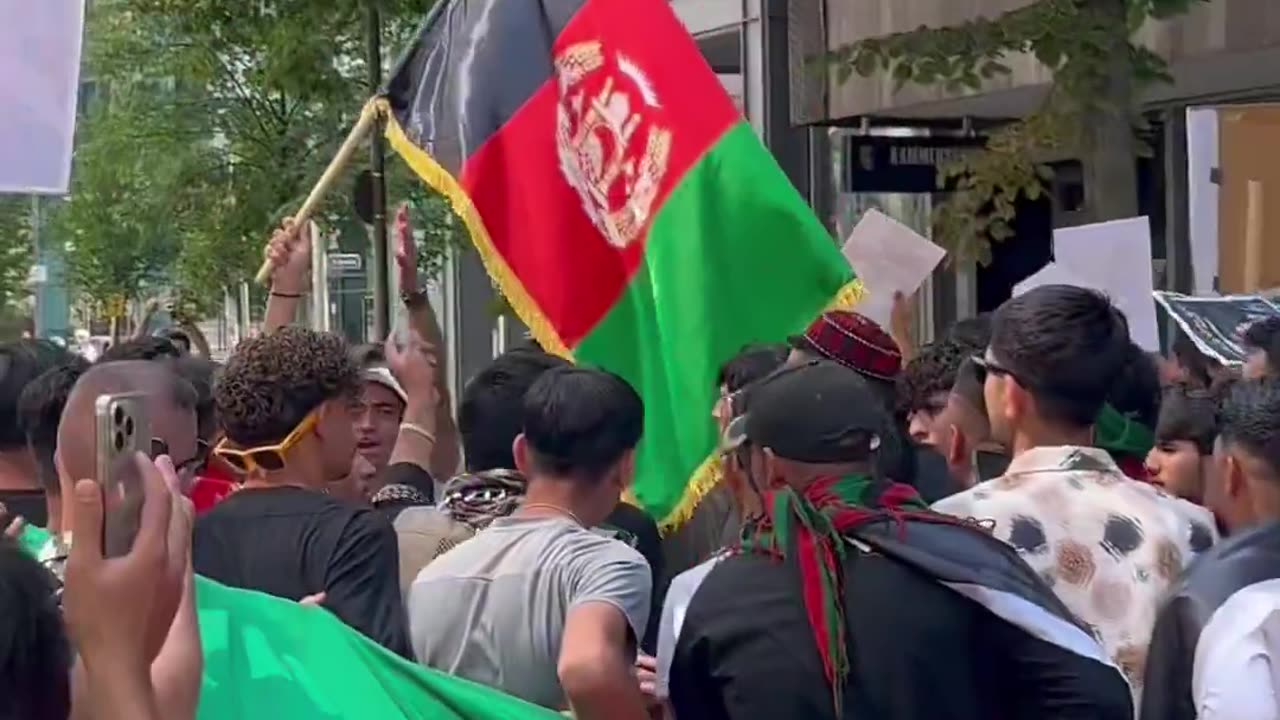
{"x": 1109, "y": 546}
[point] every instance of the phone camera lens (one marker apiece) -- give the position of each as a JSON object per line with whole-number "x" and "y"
{"x": 128, "y": 427}
{"x": 119, "y": 415}
{"x": 119, "y": 441}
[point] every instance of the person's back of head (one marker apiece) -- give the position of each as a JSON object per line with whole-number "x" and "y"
{"x": 178, "y": 338}
{"x": 146, "y": 348}
{"x": 20, "y": 363}
{"x": 1195, "y": 367}
{"x": 35, "y": 655}
{"x": 274, "y": 383}
{"x": 1244, "y": 490}
{"x": 581, "y": 426}
{"x": 1262, "y": 341}
{"x": 201, "y": 373}
{"x": 40, "y": 411}
{"x": 168, "y": 400}
{"x": 1136, "y": 390}
{"x": 752, "y": 363}
{"x": 489, "y": 414}
{"x": 972, "y": 332}
{"x": 1059, "y": 345}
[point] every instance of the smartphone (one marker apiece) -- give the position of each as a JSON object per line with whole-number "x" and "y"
{"x": 123, "y": 429}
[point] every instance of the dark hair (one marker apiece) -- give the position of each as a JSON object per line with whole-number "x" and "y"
{"x": 1250, "y": 418}
{"x": 972, "y": 332}
{"x": 931, "y": 372}
{"x": 579, "y": 422}
{"x": 179, "y": 338}
{"x": 1264, "y": 335}
{"x": 489, "y": 414}
{"x": 1189, "y": 413}
{"x": 35, "y": 655}
{"x": 1136, "y": 390}
{"x": 21, "y": 362}
{"x": 1066, "y": 344}
{"x": 201, "y": 373}
{"x": 368, "y": 355}
{"x": 1199, "y": 365}
{"x": 147, "y": 348}
{"x": 275, "y": 380}
{"x": 753, "y": 362}
{"x": 40, "y": 411}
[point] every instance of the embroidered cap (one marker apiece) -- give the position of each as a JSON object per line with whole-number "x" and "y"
{"x": 854, "y": 341}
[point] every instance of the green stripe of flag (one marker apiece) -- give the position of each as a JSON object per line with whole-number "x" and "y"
{"x": 733, "y": 256}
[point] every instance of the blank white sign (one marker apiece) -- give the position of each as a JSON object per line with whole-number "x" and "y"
{"x": 1115, "y": 257}
{"x": 39, "y": 82}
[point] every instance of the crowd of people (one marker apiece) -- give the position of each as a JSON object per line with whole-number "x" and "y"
{"x": 999, "y": 524}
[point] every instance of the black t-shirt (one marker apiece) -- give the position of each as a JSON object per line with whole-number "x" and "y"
{"x": 291, "y": 543}
{"x": 634, "y": 527}
{"x": 28, "y": 504}
{"x": 917, "y": 651}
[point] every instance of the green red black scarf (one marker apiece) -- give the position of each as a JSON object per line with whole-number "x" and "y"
{"x": 810, "y": 527}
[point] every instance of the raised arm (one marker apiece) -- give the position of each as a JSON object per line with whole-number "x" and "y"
{"x": 289, "y": 253}
{"x": 446, "y": 455}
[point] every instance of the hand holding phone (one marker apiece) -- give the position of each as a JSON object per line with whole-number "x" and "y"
{"x": 123, "y": 430}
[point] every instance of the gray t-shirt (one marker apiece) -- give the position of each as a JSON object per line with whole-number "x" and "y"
{"x": 493, "y": 609}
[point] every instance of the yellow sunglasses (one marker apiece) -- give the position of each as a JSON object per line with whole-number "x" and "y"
{"x": 268, "y": 458}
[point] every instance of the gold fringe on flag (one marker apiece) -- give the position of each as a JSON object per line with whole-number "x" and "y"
{"x": 443, "y": 182}
{"x": 709, "y": 473}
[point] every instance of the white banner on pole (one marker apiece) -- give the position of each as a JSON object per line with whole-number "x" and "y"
{"x": 39, "y": 85}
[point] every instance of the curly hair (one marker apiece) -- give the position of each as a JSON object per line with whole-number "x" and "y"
{"x": 931, "y": 372}
{"x": 274, "y": 381}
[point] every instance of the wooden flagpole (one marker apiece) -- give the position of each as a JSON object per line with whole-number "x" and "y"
{"x": 339, "y": 163}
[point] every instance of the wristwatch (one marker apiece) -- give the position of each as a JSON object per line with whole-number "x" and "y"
{"x": 413, "y": 299}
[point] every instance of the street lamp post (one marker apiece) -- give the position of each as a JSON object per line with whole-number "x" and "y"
{"x": 381, "y": 306}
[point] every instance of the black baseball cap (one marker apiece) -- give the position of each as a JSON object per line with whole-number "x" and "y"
{"x": 817, "y": 412}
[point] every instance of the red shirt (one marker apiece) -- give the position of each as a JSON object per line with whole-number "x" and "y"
{"x": 211, "y": 488}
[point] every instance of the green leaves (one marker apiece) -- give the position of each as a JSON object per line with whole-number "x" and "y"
{"x": 1076, "y": 39}
{"x": 218, "y": 119}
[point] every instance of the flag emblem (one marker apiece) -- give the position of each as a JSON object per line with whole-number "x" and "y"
{"x": 612, "y": 150}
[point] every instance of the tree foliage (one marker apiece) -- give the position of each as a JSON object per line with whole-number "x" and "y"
{"x": 1079, "y": 40}
{"x": 215, "y": 120}
{"x": 16, "y": 251}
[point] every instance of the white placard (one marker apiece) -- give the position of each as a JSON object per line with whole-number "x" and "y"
{"x": 1051, "y": 274}
{"x": 888, "y": 257}
{"x": 1202, "y": 197}
{"x": 39, "y": 87}
{"x": 1115, "y": 257}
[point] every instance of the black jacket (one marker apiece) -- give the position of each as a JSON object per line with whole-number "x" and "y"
{"x": 943, "y": 622}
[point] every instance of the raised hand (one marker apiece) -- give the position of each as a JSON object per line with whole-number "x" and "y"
{"x": 289, "y": 254}
{"x": 406, "y": 251}
{"x": 414, "y": 362}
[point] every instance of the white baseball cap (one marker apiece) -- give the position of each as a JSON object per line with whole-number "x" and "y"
{"x": 384, "y": 377}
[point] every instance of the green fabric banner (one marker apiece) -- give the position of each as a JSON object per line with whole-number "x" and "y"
{"x": 277, "y": 660}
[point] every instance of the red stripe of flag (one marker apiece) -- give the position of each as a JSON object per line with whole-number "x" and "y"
{"x": 535, "y": 217}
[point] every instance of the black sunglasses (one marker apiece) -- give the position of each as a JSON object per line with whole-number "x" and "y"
{"x": 188, "y": 468}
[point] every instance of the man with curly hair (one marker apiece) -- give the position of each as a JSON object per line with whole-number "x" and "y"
{"x": 286, "y": 402}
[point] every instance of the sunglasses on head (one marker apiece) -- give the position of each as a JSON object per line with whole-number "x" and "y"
{"x": 268, "y": 458}
{"x": 986, "y": 368}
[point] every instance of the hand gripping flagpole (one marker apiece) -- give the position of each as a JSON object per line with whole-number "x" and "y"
{"x": 364, "y": 125}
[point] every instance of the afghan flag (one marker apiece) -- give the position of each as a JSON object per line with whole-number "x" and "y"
{"x": 277, "y": 660}
{"x": 621, "y": 203}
